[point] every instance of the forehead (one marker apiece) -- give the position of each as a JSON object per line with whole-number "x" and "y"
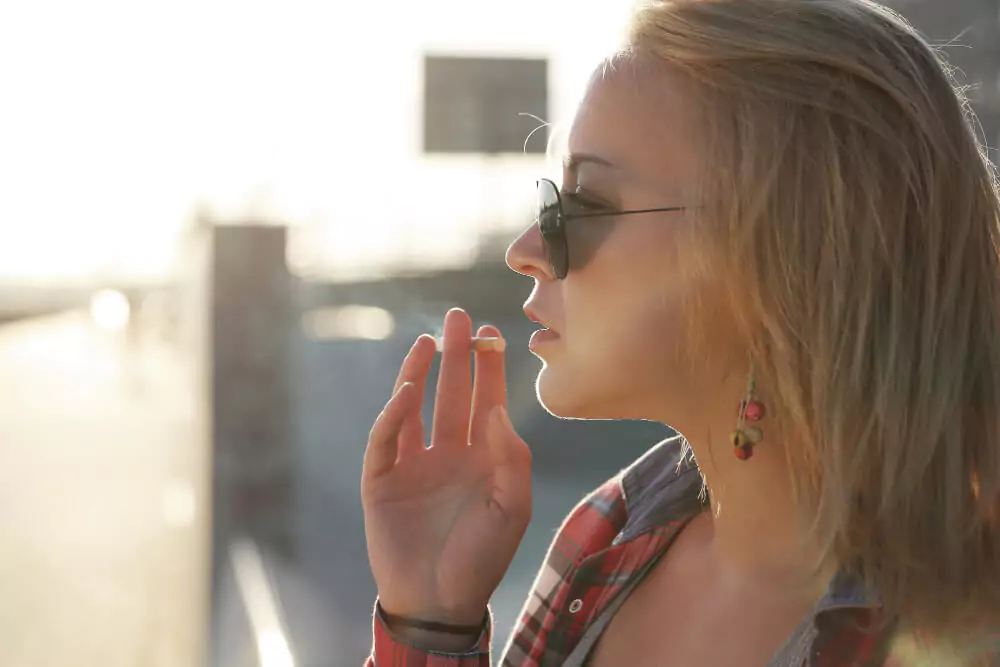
{"x": 635, "y": 114}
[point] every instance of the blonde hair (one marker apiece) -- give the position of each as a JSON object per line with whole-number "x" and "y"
{"x": 853, "y": 215}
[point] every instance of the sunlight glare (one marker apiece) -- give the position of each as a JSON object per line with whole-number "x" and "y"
{"x": 274, "y": 651}
{"x": 178, "y": 504}
{"x": 99, "y": 176}
{"x": 110, "y": 310}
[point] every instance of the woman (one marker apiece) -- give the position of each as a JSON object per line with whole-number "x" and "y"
{"x": 777, "y": 234}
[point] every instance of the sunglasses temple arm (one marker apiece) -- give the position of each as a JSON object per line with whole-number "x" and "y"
{"x": 603, "y": 214}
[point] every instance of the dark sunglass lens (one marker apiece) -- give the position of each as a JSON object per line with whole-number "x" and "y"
{"x": 550, "y": 224}
{"x": 548, "y": 208}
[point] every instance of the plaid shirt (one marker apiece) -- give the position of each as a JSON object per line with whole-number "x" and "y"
{"x": 603, "y": 545}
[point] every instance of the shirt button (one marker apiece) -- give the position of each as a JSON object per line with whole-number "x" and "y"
{"x": 575, "y": 606}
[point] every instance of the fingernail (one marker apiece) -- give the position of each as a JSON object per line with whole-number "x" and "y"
{"x": 485, "y": 344}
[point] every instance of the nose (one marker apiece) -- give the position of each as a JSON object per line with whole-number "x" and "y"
{"x": 527, "y": 256}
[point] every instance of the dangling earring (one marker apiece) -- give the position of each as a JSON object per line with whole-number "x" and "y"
{"x": 744, "y": 439}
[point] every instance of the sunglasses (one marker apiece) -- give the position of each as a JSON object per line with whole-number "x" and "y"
{"x": 551, "y": 218}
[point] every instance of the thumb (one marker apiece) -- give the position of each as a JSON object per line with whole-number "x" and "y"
{"x": 511, "y": 460}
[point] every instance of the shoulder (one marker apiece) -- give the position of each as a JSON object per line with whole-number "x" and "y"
{"x": 588, "y": 528}
{"x": 597, "y": 518}
{"x": 660, "y": 486}
{"x": 627, "y": 501}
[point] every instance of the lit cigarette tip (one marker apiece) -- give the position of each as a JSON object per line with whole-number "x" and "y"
{"x": 479, "y": 344}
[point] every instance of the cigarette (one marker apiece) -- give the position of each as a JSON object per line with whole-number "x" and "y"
{"x": 479, "y": 344}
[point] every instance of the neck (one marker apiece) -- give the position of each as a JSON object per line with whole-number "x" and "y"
{"x": 755, "y": 529}
{"x": 753, "y": 532}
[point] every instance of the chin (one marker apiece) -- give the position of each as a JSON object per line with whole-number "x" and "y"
{"x": 570, "y": 398}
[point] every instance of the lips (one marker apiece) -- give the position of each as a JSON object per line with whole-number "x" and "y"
{"x": 544, "y": 335}
{"x": 534, "y": 317}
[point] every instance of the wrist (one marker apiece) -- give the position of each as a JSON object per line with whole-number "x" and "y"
{"x": 469, "y": 617}
{"x": 428, "y": 640}
{"x": 433, "y": 634}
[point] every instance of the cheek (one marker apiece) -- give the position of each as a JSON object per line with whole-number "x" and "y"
{"x": 613, "y": 363}
{"x": 634, "y": 335}
{"x": 621, "y": 342}
{"x": 626, "y": 327}
{"x": 627, "y": 301}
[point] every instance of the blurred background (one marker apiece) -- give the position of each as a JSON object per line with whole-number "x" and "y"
{"x": 223, "y": 224}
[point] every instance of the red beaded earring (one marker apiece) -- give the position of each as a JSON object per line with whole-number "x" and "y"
{"x": 744, "y": 439}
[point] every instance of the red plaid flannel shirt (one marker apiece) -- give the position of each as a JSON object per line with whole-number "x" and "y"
{"x": 605, "y": 541}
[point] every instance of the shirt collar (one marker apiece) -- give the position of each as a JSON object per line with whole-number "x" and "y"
{"x": 663, "y": 485}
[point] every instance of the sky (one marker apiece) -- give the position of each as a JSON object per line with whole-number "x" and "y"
{"x": 117, "y": 118}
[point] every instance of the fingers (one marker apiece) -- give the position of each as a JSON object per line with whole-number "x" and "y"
{"x": 414, "y": 369}
{"x": 417, "y": 363}
{"x": 452, "y": 404}
{"x": 380, "y": 455}
{"x": 490, "y": 387}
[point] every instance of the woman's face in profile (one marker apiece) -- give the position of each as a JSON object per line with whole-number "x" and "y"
{"x": 619, "y": 314}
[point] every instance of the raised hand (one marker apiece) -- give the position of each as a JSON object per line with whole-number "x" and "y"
{"x": 443, "y": 522}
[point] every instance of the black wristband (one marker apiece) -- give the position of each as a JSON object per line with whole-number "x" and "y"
{"x": 432, "y": 626}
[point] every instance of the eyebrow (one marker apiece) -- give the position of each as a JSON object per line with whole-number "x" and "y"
{"x": 576, "y": 159}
